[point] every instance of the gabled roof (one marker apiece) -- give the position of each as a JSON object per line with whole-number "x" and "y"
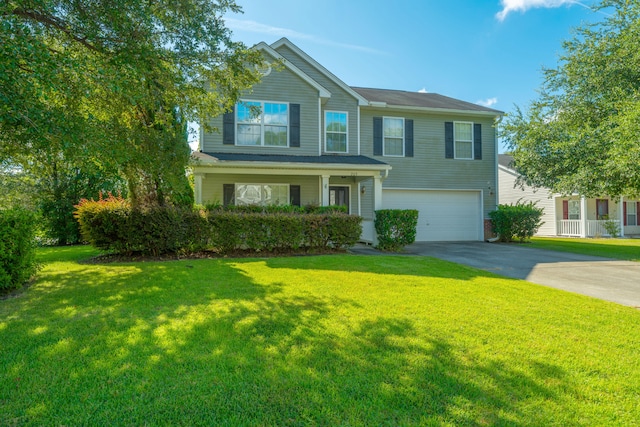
{"x": 286, "y": 42}
{"x": 506, "y": 160}
{"x": 324, "y": 93}
{"x": 420, "y": 100}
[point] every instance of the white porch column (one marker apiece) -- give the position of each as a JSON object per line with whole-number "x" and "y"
{"x": 621, "y": 209}
{"x": 198, "y": 178}
{"x": 377, "y": 193}
{"x": 583, "y": 216}
{"x": 325, "y": 190}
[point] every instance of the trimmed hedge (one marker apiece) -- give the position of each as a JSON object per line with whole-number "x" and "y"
{"x": 520, "y": 221}
{"x": 17, "y": 247}
{"x": 112, "y": 225}
{"x": 396, "y": 228}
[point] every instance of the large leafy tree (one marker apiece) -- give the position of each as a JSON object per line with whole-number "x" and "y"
{"x": 582, "y": 135}
{"x": 112, "y": 83}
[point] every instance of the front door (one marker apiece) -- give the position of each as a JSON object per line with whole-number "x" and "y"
{"x": 339, "y": 196}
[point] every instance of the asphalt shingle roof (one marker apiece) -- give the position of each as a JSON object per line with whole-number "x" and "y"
{"x": 280, "y": 158}
{"x": 419, "y": 99}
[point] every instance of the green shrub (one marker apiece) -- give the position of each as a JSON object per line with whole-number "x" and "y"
{"x": 111, "y": 224}
{"x": 17, "y": 247}
{"x": 396, "y": 228}
{"x": 520, "y": 221}
{"x": 283, "y": 231}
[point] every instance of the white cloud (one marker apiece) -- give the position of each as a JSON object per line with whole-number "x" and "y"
{"x": 487, "y": 102}
{"x": 257, "y": 27}
{"x": 524, "y": 5}
{"x": 423, "y": 90}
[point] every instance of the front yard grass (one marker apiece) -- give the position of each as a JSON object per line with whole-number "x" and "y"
{"x": 624, "y": 249}
{"x": 322, "y": 340}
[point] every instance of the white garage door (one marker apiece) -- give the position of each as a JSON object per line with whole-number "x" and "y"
{"x": 443, "y": 215}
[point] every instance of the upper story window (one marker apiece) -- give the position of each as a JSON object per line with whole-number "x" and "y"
{"x": 463, "y": 140}
{"x": 262, "y": 124}
{"x": 335, "y": 132}
{"x": 393, "y": 136}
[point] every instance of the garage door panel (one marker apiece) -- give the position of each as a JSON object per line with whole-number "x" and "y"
{"x": 442, "y": 215}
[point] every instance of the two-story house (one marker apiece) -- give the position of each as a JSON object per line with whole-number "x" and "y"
{"x": 302, "y": 136}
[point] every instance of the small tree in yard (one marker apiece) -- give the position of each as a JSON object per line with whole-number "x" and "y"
{"x": 520, "y": 221}
{"x": 396, "y": 228}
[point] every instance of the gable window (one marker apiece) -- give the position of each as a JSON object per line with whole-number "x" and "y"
{"x": 393, "y": 136}
{"x": 574, "y": 209}
{"x": 261, "y": 194}
{"x": 463, "y": 140}
{"x": 335, "y": 132}
{"x": 262, "y": 124}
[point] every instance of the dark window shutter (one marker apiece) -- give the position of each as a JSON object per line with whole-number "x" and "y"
{"x": 624, "y": 213}
{"x": 294, "y": 125}
{"x": 294, "y": 195}
{"x": 565, "y": 209}
{"x": 448, "y": 140}
{"x": 408, "y": 138}
{"x": 229, "y": 127}
{"x": 477, "y": 141}
{"x": 228, "y": 191}
{"x": 638, "y": 213}
{"x": 377, "y": 136}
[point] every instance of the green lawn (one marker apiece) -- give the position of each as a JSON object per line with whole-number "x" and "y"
{"x": 323, "y": 340}
{"x": 625, "y": 249}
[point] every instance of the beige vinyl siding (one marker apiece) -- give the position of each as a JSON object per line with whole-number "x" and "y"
{"x": 212, "y": 185}
{"x": 510, "y": 194}
{"x": 278, "y": 86}
{"x": 340, "y": 99}
{"x": 428, "y": 168}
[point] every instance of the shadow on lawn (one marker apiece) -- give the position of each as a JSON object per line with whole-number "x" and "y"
{"x": 137, "y": 345}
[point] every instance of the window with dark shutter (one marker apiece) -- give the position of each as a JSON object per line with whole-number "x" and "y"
{"x": 294, "y": 125}
{"x": 377, "y": 136}
{"x": 477, "y": 141}
{"x": 228, "y": 191}
{"x": 565, "y": 209}
{"x": 228, "y": 127}
{"x": 448, "y": 140}
{"x": 408, "y": 138}
{"x": 294, "y": 195}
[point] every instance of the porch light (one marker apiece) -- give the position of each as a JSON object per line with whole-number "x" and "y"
{"x": 363, "y": 190}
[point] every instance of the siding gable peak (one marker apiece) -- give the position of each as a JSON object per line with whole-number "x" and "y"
{"x": 315, "y": 64}
{"x": 322, "y": 91}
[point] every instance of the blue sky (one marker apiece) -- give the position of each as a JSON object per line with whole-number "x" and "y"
{"x": 489, "y": 52}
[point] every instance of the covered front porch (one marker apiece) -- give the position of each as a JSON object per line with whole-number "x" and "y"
{"x": 589, "y": 217}
{"x": 351, "y": 181}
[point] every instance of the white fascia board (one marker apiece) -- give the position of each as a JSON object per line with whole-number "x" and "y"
{"x": 270, "y": 168}
{"x": 319, "y": 67}
{"x": 374, "y": 105}
{"x": 322, "y": 91}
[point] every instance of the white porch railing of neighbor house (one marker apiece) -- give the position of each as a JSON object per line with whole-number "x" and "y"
{"x": 570, "y": 227}
{"x": 573, "y": 227}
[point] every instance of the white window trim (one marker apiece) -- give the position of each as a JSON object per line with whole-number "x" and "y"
{"x": 346, "y": 113}
{"x": 635, "y": 213}
{"x": 383, "y": 137}
{"x": 455, "y": 140}
{"x": 262, "y": 125}
{"x": 235, "y": 189}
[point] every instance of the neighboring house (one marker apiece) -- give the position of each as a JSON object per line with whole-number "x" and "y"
{"x": 302, "y": 136}
{"x": 569, "y": 216}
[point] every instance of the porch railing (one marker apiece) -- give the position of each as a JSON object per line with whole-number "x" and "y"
{"x": 573, "y": 227}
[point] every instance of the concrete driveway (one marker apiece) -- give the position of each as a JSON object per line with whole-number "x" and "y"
{"x": 607, "y": 279}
